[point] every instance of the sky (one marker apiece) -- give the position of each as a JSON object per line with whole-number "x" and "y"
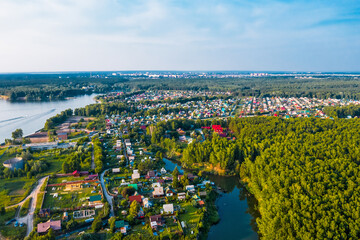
{"x": 114, "y": 35}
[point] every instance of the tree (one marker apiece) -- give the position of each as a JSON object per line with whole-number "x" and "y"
{"x": 96, "y": 225}
{"x": 112, "y": 224}
{"x": 18, "y": 133}
{"x": 134, "y": 208}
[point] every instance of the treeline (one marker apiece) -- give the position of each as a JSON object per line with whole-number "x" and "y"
{"x": 41, "y": 87}
{"x": 95, "y": 110}
{"x": 58, "y": 119}
{"x": 305, "y": 174}
{"x": 98, "y": 155}
{"x": 343, "y": 112}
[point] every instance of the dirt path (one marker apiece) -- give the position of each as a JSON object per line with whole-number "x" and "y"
{"x": 29, "y": 219}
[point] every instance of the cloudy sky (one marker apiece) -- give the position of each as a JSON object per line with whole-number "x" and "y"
{"x": 81, "y": 35}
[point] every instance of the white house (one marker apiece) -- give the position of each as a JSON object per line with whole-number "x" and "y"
{"x": 190, "y": 188}
{"x": 158, "y": 192}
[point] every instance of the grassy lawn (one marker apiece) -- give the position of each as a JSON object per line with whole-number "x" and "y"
{"x": 67, "y": 199}
{"x": 9, "y": 231}
{"x": 25, "y": 207}
{"x": 14, "y": 190}
{"x": 65, "y": 179}
{"x": 190, "y": 216}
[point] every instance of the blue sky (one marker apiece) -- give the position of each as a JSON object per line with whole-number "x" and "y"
{"x": 259, "y": 35}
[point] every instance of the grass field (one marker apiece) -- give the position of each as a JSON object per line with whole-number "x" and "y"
{"x": 14, "y": 190}
{"x": 9, "y": 231}
{"x": 190, "y": 216}
{"x": 25, "y": 207}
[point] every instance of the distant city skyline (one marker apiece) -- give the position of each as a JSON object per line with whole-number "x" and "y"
{"x": 155, "y": 35}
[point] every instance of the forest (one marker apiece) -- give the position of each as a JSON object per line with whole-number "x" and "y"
{"x": 41, "y": 87}
{"x": 303, "y": 172}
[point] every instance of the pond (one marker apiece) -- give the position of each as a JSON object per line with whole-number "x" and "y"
{"x": 235, "y": 207}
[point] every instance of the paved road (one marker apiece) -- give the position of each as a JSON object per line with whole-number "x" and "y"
{"x": 29, "y": 219}
{"x": 106, "y": 194}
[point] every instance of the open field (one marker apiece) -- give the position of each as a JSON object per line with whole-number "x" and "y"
{"x": 14, "y": 190}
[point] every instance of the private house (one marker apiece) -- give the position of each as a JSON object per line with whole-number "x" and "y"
{"x": 38, "y": 137}
{"x": 135, "y": 175}
{"x": 163, "y": 170}
{"x": 134, "y": 185}
{"x": 147, "y": 203}
{"x": 155, "y": 221}
{"x": 150, "y": 174}
{"x": 169, "y": 192}
{"x": 135, "y": 198}
{"x": 168, "y": 208}
{"x": 62, "y": 135}
{"x": 190, "y": 188}
{"x": 158, "y": 192}
{"x": 95, "y": 200}
{"x": 122, "y": 226}
{"x": 73, "y": 187}
{"x": 43, "y": 213}
{"x": 181, "y": 196}
{"x": 44, "y": 227}
{"x": 65, "y": 216}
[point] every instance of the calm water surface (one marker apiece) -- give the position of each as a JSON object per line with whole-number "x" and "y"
{"x": 235, "y": 207}
{"x": 31, "y": 116}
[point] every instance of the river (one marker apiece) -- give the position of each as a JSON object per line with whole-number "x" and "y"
{"x": 235, "y": 207}
{"x": 31, "y": 116}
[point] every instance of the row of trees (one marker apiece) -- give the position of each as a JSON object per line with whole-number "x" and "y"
{"x": 58, "y": 119}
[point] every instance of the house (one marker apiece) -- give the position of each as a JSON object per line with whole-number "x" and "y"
{"x": 62, "y": 135}
{"x": 163, "y": 170}
{"x": 65, "y": 216}
{"x": 156, "y": 220}
{"x": 158, "y": 192}
{"x": 135, "y": 198}
{"x": 181, "y": 196}
{"x": 147, "y": 203}
{"x": 44, "y": 213}
{"x": 169, "y": 192}
{"x": 150, "y": 174}
{"x": 134, "y": 185}
{"x": 44, "y": 227}
{"x": 201, "y": 203}
{"x": 122, "y": 226}
{"x": 131, "y": 158}
{"x": 92, "y": 177}
{"x": 168, "y": 208}
{"x": 95, "y": 200}
{"x": 141, "y": 213}
{"x": 135, "y": 175}
{"x": 73, "y": 186}
{"x": 156, "y": 184}
{"x": 190, "y": 188}
{"x": 202, "y": 194}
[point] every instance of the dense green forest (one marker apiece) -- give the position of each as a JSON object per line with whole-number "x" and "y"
{"x": 37, "y": 87}
{"x": 303, "y": 172}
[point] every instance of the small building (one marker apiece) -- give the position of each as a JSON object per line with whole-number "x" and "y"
{"x": 95, "y": 200}
{"x": 44, "y": 213}
{"x": 169, "y": 192}
{"x": 65, "y": 216}
{"x": 14, "y": 163}
{"x": 158, "y": 192}
{"x": 181, "y": 196}
{"x": 62, "y": 135}
{"x": 135, "y": 175}
{"x": 44, "y": 227}
{"x": 150, "y": 174}
{"x": 73, "y": 186}
{"x": 155, "y": 221}
{"x": 147, "y": 203}
{"x": 122, "y": 226}
{"x": 190, "y": 188}
{"x": 134, "y": 185}
{"x": 137, "y": 198}
{"x": 168, "y": 208}
{"x": 163, "y": 170}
